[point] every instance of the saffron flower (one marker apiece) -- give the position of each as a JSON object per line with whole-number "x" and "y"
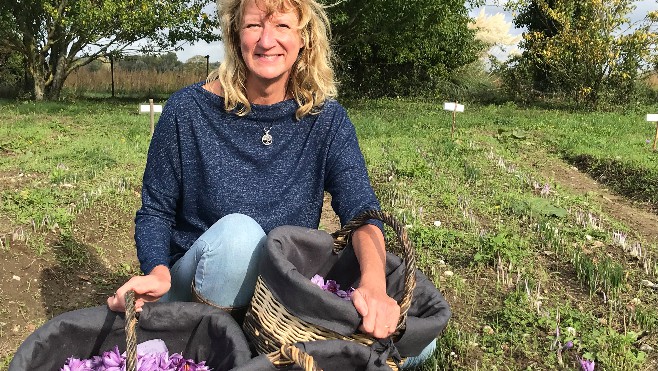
{"x": 178, "y": 362}
{"x": 112, "y": 360}
{"x": 74, "y": 364}
{"x": 332, "y": 286}
{"x": 318, "y": 280}
{"x": 586, "y": 364}
{"x": 567, "y": 345}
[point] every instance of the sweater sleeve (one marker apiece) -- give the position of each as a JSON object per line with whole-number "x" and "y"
{"x": 160, "y": 192}
{"x": 347, "y": 177}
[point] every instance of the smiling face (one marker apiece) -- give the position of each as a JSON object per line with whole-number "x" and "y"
{"x": 269, "y": 43}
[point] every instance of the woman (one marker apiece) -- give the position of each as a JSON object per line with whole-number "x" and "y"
{"x": 253, "y": 148}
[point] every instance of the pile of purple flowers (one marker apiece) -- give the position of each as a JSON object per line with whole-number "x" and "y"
{"x": 146, "y": 361}
{"x": 333, "y": 287}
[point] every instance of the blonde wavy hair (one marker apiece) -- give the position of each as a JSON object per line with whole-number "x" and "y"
{"x": 311, "y": 80}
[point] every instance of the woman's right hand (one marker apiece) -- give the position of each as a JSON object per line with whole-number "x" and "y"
{"x": 147, "y": 289}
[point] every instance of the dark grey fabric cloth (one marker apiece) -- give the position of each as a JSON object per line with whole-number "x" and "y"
{"x": 295, "y": 254}
{"x": 195, "y": 330}
{"x": 331, "y": 355}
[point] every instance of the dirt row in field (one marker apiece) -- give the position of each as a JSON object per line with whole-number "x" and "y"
{"x": 637, "y": 216}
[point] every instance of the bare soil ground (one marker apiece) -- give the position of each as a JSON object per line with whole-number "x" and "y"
{"x": 81, "y": 270}
{"x": 640, "y": 217}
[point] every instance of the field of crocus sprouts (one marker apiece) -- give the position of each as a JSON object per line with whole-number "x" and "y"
{"x": 539, "y": 226}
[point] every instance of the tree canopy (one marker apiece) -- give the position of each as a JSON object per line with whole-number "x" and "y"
{"x": 55, "y": 37}
{"x": 383, "y": 47}
{"x": 584, "y": 49}
{"x": 399, "y": 47}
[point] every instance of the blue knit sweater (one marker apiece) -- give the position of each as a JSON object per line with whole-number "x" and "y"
{"x": 204, "y": 163}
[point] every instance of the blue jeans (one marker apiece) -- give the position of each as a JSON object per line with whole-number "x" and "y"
{"x": 418, "y": 360}
{"x": 222, "y": 263}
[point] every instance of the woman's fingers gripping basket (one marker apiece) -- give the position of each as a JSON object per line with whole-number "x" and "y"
{"x": 341, "y": 238}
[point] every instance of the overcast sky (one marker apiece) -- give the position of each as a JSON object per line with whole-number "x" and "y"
{"x": 215, "y": 51}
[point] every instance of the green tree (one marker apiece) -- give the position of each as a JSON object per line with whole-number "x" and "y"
{"x": 12, "y": 72}
{"x": 55, "y": 37}
{"x": 399, "y": 47}
{"x": 584, "y": 49}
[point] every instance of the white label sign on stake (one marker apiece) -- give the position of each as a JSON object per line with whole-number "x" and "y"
{"x": 452, "y": 106}
{"x": 652, "y": 117}
{"x": 146, "y": 108}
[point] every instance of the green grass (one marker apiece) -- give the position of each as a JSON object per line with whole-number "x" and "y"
{"x": 67, "y": 155}
{"x": 497, "y": 229}
{"x": 523, "y": 260}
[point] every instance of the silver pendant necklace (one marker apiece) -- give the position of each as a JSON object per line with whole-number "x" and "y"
{"x": 266, "y": 138}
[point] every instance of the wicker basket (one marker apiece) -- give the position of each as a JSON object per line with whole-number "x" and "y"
{"x": 286, "y": 354}
{"x": 268, "y": 324}
{"x": 289, "y": 354}
{"x": 130, "y": 329}
{"x": 198, "y": 331}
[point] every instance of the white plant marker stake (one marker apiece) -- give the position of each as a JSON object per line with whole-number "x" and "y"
{"x": 653, "y": 117}
{"x": 454, "y": 107}
{"x": 151, "y": 109}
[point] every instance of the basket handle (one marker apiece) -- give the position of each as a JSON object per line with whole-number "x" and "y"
{"x": 131, "y": 334}
{"x": 341, "y": 238}
{"x": 291, "y": 354}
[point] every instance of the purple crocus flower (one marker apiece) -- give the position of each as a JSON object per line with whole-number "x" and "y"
{"x": 112, "y": 360}
{"x": 345, "y": 294}
{"x": 176, "y": 360}
{"x": 148, "y": 362}
{"x": 162, "y": 361}
{"x": 332, "y": 286}
{"x": 74, "y": 364}
{"x": 586, "y": 364}
{"x": 318, "y": 280}
{"x": 96, "y": 363}
{"x": 189, "y": 365}
{"x": 201, "y": 366}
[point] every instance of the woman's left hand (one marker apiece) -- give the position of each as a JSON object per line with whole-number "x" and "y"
{"x": 380, "y": 312}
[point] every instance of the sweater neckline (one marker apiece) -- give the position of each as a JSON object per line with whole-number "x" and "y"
{"x": 259, "y": 112}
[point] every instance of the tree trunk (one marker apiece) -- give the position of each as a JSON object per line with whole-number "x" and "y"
{"x": 58, "y": 66}
{"x": 39, "y": 86}
{"x": 49, "y": 90}
{"x": 54, "y": 90}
